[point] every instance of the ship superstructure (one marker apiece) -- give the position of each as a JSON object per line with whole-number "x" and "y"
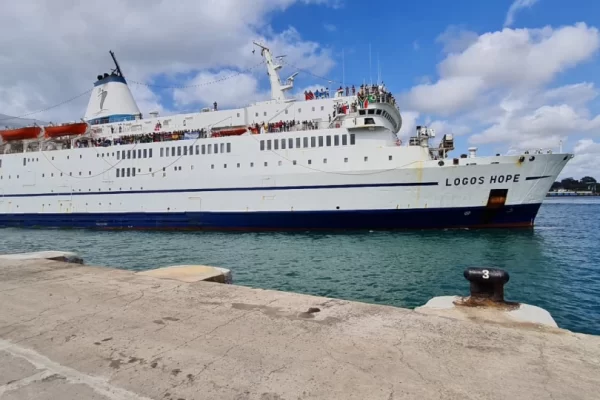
{"x": 329, "y": 163}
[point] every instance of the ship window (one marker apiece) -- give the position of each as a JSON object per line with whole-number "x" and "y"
{"x": 276, "y": 144}
{"x": 212, "y": 166}
{"x": 299, "y": 110}
{"x": 118, "y": 155}
{"x": 324, "y": 161}
{"x": 70, "y": 174}
{"x": 42, "y": 175}
{"x": 266, "y": 164}
{"x": 185, "y": 150}
{"x": 336, "y": 140}
{"x": 173, "y": 150}
{"x": 197, "y": 149}
{"x": 369, "y": 121}
{"x": 344, "y": 140}
{"x": 238, "y": 165}
{"x": 305, "y": 142}
{"x": 150, "y": 153}
{"x": 209, "y": 146}
{"x": 24, "y": 161}
{"x": 224, "y": 165}
{"x": 361, "y": 112}
{"x": 229, "y": 147}
{"x": 256, "y": 114}
{"x": 294, "y": 162}
{"x": 89, "y": 172}
{"x": 251, "y": 164}
{"x": 145, "y": 153}
{"x": 162, "y": 152}
{"x": 290, "y": 143}
{"x": 268, "y": 145}
{"x": 128, "y": 172}
{"x": 279, "y": 163}
{"x": 378, "y": 112}
{"x": 313, "y": 109}
{"x": 322, "y": 108}
{"x": 178, "y": 150}
{"x": 122, "y": 173}
{"x": 139, "y": 153}
{"x": 313, "y": 141}
{"x": 222, "y": 148}
{"x": 352, "y": 139}
{"x": 371, "y": 112}
{"x": 366, "y": 159}
{"x": 320, "y": 141}
{"x": 133, "y": 155}
{"x": 132, "y": 171}
{"x": 216, "y": 148}
{"x": 328, "y": 141}
{"x": 118, "y": 175}
{"x": 128, "y": 154}
{"x": 191, "y": 150}
{"x": 286, "y": 111}
{"x": 283, "y": 144}
{"x": 265, "y": 114}
{"x": 203, "y": 149}
{"x": 122, "y": 154}
{"x": 309, "y": 162}
{"x": 346, "y": 159}
{"x": 390, "y": 158}
{"x": 238, "y": 115}
{"x": 79, "y": 173}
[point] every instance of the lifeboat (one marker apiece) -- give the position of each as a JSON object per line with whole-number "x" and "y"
{"x": 21, "y": 134}
{"x": 229, "y": 132}
{"x": 78, "y": 128}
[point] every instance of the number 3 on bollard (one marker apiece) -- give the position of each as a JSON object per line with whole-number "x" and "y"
{"x": 486, "y": 274}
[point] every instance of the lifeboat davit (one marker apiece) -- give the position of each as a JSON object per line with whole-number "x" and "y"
{"x": 21, "y": 134}
{"x": 78, "y": 128}
{"x": 230, "y": 132}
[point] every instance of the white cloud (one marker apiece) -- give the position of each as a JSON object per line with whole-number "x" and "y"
{"x": 50, "y": 61}
{"x": 456, "y": 39}
{"x": 586, "y": 161}
{"x": 409, "y": 124}
{"x": 515, "y": 7}
{"x": 508, "y": 60}
{"x": 330, "y": 27}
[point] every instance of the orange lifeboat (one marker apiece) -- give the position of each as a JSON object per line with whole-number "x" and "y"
{"x": 78, "y": 128}
{"x": 230, "y": 132}
{"x": 21, "y": 134}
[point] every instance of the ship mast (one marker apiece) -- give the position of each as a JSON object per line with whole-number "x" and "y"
{"x": 277, "y": 88}
{"x": 117, "y": 70}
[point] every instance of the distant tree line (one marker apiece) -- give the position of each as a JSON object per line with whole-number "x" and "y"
{"x": 587, "y": 183}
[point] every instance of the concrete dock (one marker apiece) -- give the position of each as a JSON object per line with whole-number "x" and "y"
{"x": 70, "y": 331}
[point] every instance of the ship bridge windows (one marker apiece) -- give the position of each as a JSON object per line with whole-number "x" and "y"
{"x": 290, "y": 143}
{"x": 162, "y": 152}
{"x": 145, "y": 153}
{"x": 378, "y": 112}
{"x": 369, "y": 121}
{"x": 229, "y": 147}
{"x": 371, "y": 111}
{"x": 352, "y": 139}
{"x": 344, "y": 140}
{"x": 275, "y": 144}
{"x": 320, "y": 141}
{"x": 283, "y": 143}
{"x": 185, "y": 150}
{"x": 313, "y": 141}
{"x": 361, "y": 112}
{"x": 336, "y": 140}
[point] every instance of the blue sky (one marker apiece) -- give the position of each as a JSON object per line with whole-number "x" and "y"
{"x": 496, "y": 82}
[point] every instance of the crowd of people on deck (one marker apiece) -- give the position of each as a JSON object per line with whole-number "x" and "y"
{"x": 282, "y": 126}
{"x": 376, "y": 93}
{"x": 143, "y": 138}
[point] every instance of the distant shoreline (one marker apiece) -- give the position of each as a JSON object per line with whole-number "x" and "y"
{"x": 571, "y": 194}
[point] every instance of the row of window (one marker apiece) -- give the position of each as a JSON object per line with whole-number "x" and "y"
{"x": 306, "y": 142}
{"x": 212, "y": 148}
{"x": 378, "y": 111}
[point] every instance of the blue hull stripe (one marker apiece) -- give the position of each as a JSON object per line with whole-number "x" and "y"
{"x": 235, "y": 189}
{"x": 425, "y": 218}
{"x": 533, "y": 178}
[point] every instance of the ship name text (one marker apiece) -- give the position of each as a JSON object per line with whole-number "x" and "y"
{"x": 480, "y": 180}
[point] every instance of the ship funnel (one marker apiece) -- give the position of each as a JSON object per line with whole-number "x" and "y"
{"x": 111, "y": 100}
{"x": 472, "y": 152}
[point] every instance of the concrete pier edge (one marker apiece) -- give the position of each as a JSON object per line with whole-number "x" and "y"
{"x": 72, "y": 331}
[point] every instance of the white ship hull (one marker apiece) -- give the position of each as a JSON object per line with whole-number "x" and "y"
{"x": 327, "y": 188}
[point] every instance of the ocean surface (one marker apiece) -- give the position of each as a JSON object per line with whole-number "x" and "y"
{"x": 555, "y": 266}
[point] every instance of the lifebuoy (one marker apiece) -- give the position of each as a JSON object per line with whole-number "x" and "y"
{"x": 398, "y": 142}
{"x": 337, "y": 125}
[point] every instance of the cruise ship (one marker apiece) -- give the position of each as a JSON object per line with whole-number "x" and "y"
{"x": 327, "y": 162}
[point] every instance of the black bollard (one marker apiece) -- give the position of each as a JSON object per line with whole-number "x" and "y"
{"x": 487, "y": 283}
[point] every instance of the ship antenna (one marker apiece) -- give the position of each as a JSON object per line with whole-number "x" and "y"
{"x": 117, "y": 70}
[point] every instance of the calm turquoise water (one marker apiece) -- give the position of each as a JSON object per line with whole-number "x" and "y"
{"x": 555, "y": 266}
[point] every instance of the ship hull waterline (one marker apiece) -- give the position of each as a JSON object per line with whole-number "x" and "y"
{"x": 509, "y": 216}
